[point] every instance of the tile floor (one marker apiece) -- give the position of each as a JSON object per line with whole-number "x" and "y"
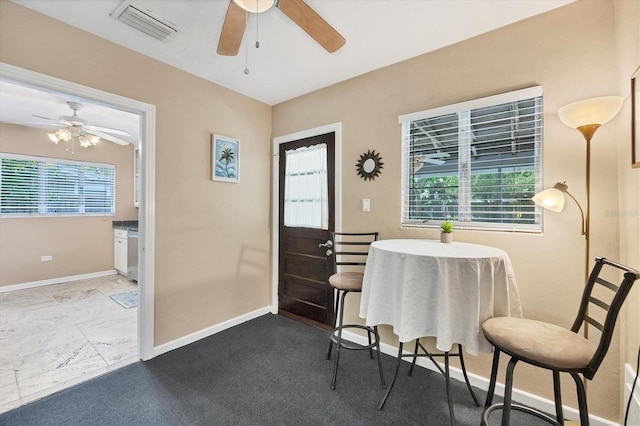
{"x": 56, "y": 336}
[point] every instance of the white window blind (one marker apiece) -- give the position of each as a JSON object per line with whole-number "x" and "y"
{"x": 35, "y": 186}
{"x": 306, "y": 192}
{"x": 476, "y": 163}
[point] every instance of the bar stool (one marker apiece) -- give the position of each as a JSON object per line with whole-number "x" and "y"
{"x": 559, "y": 349}
{"x": 350, "y": 250}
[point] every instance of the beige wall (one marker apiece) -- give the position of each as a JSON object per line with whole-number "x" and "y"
{"x": 79, "y": 245}
{"x": 204, "y": 229}
{"x": 571, "y": 53}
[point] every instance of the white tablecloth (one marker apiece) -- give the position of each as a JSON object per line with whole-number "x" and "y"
{"x": 427, "y": 288}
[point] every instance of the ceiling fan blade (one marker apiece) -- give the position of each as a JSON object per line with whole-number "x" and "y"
{"x": 108, "y": 137}
{"x": 313, "y": 24}
{"x": 108, "y": 130}
{"x": 438, "y": 155}
{"x": 434, "y": 161}
{"x": 45, "y": 118}
{"x": 34, "y": 123}
{"x": 233, "y": 28}
{"x": 420, "y": 161}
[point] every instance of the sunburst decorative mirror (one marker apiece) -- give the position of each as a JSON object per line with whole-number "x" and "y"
{"x": 369, "y": 165}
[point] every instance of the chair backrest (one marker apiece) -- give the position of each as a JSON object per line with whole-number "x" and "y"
{"x": 602, "y": 297}
{"x": 351, "y": 248}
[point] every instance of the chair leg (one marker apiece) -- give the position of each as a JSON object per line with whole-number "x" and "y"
{"x": 494, "y": 375}
{"x": 370, "y": 347}
{"x": 466, "y": 379}
{"x": 508, "y": 388}
{"x": 335, "y": 321}
{"x": 582, "y": 400}
{"x": 395, "y": 376}
{"x": 338, "y": 341}
{"x": 557, "y": 395}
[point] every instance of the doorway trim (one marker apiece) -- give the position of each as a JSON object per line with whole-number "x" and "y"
{"x": 146, "y": 250}
{"x": 275, "y": 201}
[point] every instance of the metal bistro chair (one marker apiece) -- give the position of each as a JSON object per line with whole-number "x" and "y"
{"x": 350, "y": 250}
{"x": 558, "y": 349}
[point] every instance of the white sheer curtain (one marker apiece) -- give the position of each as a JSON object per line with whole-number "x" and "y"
{"x": 306, "y": 188}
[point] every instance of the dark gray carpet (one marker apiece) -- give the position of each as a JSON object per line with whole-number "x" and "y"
{"x": 268, "y": 371}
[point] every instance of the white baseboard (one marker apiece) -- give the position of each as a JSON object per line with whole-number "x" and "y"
{"x": 519, "y": 396}
{"x": 59, "y": 280}
{"x": 209, "y": 331}
{"x": 634, "y": 410}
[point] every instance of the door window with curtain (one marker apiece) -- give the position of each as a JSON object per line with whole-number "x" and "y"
{"x": 306, "y": 188}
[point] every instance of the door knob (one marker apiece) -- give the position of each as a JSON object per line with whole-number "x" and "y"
{"x": 328, "y": 244}
{"x": 329, "y": 252}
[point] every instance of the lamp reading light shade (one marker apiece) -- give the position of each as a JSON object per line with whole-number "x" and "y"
{"x": 552, "y": 198}
{"x": 255, "y": 6}
{"x": 589, "y": 114}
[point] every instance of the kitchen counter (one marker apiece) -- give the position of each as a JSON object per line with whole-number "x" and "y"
{"x": 129, "y": 225}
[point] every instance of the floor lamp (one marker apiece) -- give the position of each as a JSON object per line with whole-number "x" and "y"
{"x": 586, "y": 116}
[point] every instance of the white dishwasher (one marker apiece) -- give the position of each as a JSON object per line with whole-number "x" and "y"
{"x": 132, "y": 255}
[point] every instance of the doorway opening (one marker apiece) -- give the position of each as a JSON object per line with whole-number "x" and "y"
{"x": 146, "y": 215}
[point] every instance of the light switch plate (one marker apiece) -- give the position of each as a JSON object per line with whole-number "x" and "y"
{"x": 366, "y": 205}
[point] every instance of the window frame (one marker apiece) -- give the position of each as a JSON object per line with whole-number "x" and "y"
{"x": 408, "y": 154}
{"x": 43, "y": 206}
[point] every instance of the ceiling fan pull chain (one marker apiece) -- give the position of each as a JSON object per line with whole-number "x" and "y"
{"x": 246, "y": 48}
{"x": 257, "y": 27}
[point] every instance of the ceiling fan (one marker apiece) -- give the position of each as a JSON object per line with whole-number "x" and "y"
{"x": 73, "y": 126}
{"x": 435, "y": 158}
{"x": 298, "y": 11}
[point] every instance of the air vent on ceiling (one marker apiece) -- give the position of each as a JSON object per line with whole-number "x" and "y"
{"x": 143, "y": 20}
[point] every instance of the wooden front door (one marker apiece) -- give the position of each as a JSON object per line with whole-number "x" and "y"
{"x": 304, "y": 266}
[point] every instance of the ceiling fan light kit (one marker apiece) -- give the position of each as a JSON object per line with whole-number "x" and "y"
{"x": 60, "y": 135}
{"x": 75, "y": 128}
{"x": 255, "y": 6}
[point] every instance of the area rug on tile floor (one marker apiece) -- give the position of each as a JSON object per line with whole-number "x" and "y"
{"x": 128, "y": 299}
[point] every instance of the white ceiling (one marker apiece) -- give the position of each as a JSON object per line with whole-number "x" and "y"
{"x": 289, "y": 63}
{"x": 19, "y": 104}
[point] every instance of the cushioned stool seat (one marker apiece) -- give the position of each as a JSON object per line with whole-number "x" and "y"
{"x": 350, "y": 281}
{"x": 539, "y": 342}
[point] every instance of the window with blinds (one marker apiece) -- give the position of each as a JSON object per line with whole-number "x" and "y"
{"x": 477, "y": 163}
{"x": 35, "y": 186}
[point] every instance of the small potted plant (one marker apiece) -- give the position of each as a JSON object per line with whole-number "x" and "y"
{"x": 446, "y": 231}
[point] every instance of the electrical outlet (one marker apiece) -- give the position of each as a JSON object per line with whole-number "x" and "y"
{"x": 46, "y": 258}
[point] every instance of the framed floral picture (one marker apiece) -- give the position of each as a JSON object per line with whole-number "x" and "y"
{"x": 635, "y": 120}
{"x": 225, "y": 158}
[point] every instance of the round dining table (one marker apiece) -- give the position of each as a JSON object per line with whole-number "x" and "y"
{"x": 446, "y": 290}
